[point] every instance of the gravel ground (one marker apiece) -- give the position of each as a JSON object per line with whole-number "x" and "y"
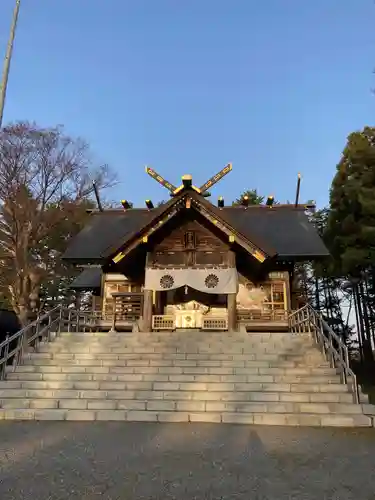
{"x": 129, "y": 461}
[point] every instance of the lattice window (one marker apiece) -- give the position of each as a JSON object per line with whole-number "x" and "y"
{"x": 215, "y": 324}
{"x": 129, "y": 306}
{"x": 276, "y": 274}
{"x": 276, "y": 295}
{"x": 163, "y": 322}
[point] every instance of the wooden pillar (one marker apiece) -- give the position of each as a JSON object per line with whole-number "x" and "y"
{"x": 231, "y": 299}
{"x": 231, "y": 259}
{"x": 288, "y": 298}
{"x": 147, "y": 311}
{"x": 232, "y": 312}
{"x": 114, "y": 311}
{"x": 292, "y": 291}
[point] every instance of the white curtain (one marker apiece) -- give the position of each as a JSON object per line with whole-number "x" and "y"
{"x": 205, "y": 280}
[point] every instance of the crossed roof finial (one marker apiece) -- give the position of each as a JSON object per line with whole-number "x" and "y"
{"x": 187, "y": 181}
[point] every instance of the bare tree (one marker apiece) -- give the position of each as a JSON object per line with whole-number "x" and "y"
{"x": 45, "y": 176}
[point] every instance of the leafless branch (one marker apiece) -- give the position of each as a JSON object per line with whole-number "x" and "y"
{"x": 45, "y": 176}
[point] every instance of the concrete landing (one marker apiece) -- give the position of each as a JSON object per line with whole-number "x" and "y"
{"x": 138, "y": 461}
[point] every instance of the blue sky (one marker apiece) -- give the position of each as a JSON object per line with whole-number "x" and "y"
{"x": 273, "y": 86}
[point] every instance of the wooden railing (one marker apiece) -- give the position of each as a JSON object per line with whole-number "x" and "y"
{"x": 306, "y": 319}
{"x": 124, "y": 307}
{"x": 249, "y": 315}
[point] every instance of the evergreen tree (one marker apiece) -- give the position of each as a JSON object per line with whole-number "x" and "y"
{"x": 252, "y": 194}
{"x": 350, "y": 231}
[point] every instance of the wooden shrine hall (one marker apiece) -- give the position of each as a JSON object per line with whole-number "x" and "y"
{"x": 192, "y": 264}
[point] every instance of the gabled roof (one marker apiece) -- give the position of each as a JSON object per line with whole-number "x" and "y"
{"x": 102, "y": 230}
{"x": 284, "y": 231}
{"x": 259, "y": 249}
{"x": 285, "y": 228}
{"x": 88, "y": 279}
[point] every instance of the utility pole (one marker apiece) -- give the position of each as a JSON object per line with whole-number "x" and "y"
{"x": 8, "y": 57}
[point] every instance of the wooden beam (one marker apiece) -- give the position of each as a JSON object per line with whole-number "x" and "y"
{"x": 147, "y": 310}
{"x": 257, "y": 253}
{"x": 232, "y": 312}
{"x": 152, "y": 173}
{"x": 143, "y": 238}
{"x": 231, "y": 259}
{"x": 216, "y": 178}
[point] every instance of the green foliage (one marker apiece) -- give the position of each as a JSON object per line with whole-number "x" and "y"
{"x": 317, "y": 282}
{"x": 254, "y": 198}
{"x": 350, "y": 233}
{"x": 58, "y": 276}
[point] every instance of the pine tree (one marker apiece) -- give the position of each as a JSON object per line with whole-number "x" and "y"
{"x": 350, "y": 232}
{"x": 253, "y": 196}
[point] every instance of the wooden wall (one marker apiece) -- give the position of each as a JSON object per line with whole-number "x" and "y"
{"x": 272, "y": 293}
{"x": 190, "y": 245}
{"x": 114, "y": 283}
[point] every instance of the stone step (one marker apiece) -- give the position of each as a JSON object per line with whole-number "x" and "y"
{"x": 341, "y": 420}
{"x": 181, "y": 405}
{"x": 175, "y": 373}
{"x": 248, "y": 345}
{"x": 168, "y": 386}
{"x": 168, "y": 366}
{"x": 186, "y": 339}
{"x": 261, "y": 378}
{"x": 124, "y": 354}
{"x": 159, "y": 357}
{"x": 270, "y": 358}
{"x": 297, "y": 344}
{"x": 175, "y": 342}
{"x": 265, "y": 336}
{"x": 49, "y": 365}
{"x": 180, "y": 349}
{"x": 260, "y": 357}
{"x": 70, "y": 389}
{"x": 201, "y": 335}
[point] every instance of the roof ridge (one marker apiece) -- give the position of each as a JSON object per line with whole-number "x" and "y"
{"x": 243, "y": 207}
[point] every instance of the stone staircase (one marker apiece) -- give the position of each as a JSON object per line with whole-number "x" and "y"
{"x": 182, "y": 376}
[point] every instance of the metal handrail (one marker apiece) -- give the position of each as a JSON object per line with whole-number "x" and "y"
{"x": 31, "y": 334}
{"x": 306, "y": 319}
{"x": 55, "y": 321}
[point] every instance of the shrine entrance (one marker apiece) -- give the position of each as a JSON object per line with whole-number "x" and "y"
{"x": 191, "y": 298}
{"x": 190, "y": 307}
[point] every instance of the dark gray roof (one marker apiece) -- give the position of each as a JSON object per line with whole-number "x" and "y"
{"x": 285, "y": 229}
{"x": 103, "y": 230}
{"x": 88, "y": 279}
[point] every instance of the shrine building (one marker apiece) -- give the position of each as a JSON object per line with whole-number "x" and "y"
{"x": 190, "y": 263}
